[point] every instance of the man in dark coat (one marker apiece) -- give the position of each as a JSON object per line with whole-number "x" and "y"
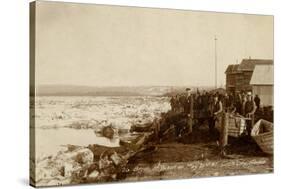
{"x": 188, "y": 110}
{"x": 216, "y": 109}
{"x": 187, "y": 103}
{"x": 257, "y": 101}
{"x": 249, "y": 111}
{"x": 238, "y": 103}
{"x": 173, "y": 103}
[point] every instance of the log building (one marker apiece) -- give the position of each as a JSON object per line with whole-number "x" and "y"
{"x": 238, "y": 76}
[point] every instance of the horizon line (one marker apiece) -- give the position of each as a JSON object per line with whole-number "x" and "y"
{"x": 82, "y": 85}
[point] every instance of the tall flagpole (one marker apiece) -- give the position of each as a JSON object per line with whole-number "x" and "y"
{"x": 216, "y": 85}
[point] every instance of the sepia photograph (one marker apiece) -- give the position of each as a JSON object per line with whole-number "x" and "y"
{"x": 126, "y": 94}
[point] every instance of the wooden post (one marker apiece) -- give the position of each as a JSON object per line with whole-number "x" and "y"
{"x": 224, "y": 132}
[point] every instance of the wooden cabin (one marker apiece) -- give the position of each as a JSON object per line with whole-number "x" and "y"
{"x": 238, "y": 76}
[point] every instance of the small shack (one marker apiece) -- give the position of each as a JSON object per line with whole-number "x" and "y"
{"x": 238, "y": 76}
{"x": 262, "y": 82}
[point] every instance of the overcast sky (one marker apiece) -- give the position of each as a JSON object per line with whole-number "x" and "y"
{"x": 82, "y": 44}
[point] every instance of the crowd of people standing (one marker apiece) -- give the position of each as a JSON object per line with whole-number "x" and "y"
{"x": 200, "y": 106}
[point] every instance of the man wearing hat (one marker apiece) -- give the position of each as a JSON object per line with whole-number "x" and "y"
{"x": 216, "y": 110}
{"x": 187, "y": 104}
{"x": 249, "y": 111}
{"x": 183, "y": 120}
{"x": 173, "y": 103}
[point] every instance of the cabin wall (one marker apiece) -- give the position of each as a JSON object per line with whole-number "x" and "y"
{"x": 265, "y": 93}
{"x": 230, "y": 82}
{"x": 239, "y": 81}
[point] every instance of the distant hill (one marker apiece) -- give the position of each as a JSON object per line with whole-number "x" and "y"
{"x": 180, "y": 90}
{"x": 72, "y": 90}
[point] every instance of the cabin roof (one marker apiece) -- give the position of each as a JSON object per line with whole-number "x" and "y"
{"x": 232, "y": 68}
{"x": 249, "y": 64}
{"x": 263, "y": 75}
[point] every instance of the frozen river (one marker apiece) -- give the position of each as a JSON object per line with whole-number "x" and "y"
{"x": 74, "y": 120}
